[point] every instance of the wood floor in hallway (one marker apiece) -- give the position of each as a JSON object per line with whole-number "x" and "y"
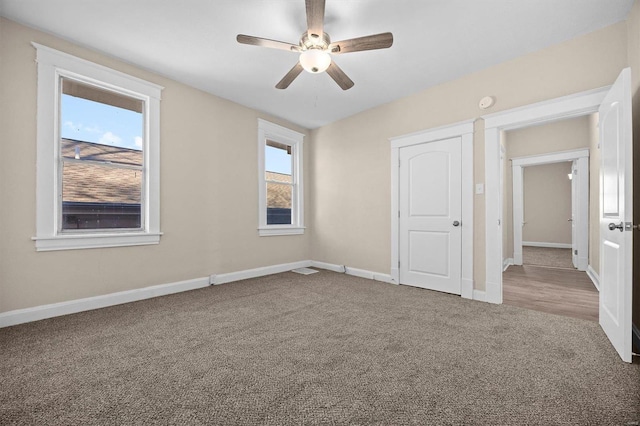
{"x": 557, "y": 291}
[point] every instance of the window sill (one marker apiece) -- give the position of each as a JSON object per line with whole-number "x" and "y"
{"x": 269, "y": 231}
{"x": 89, "y": 241}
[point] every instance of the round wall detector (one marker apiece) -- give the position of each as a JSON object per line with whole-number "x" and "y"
{"x": 486, "y": 102}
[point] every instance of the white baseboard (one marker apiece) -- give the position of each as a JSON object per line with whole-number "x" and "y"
{"x": 542, "y": 244}
{"x": 479, "y": 295}
{"x": 595, "y": 278}
{"x": 36, "y": 313}
{"x": 506, "y": 263}
{"x": 328, "y": 266}
{"x": 362, "y": 273}
{"x": 257, "y": 272}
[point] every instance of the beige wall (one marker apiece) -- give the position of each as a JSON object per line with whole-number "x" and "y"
{"x": 209, "y": 220}
{"x": 209, "y": 184}
{"x": 352, "y": 157}
{"x": 563, "y": 135}
{"x": 547, "y": 203}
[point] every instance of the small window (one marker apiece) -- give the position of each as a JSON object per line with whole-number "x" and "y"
{"x": 280, "y": 194}
{"x": 97, "y": 156}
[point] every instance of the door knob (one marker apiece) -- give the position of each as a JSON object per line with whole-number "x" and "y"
{"x": 456, "y": 223}
{"x": 613, "y": 226}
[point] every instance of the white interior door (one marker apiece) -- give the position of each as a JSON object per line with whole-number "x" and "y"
{"x": 616, "y": 215}
{"x": 574, "y": 215}
{"x": 430, "y": 211}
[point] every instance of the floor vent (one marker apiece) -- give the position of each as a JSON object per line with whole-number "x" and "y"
{"x": 304, "y": 271}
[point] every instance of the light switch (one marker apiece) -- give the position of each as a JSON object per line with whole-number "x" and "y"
{"x": 479, "y": 188}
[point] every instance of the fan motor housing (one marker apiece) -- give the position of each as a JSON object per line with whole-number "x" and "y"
{"x": 314, "y": 41}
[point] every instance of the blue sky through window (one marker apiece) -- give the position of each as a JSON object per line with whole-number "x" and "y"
{"x": 277, "y": 160}
{"x": 90, "y": 121}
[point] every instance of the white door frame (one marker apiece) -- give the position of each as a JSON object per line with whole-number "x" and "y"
{"x": 581, "y": 221}
{"x": 576, "y": 105}
{"x": 464, "y": 130}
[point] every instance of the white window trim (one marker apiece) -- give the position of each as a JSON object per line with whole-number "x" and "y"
{"x": 51, "y": 65}
{"x": 274, "y": 132}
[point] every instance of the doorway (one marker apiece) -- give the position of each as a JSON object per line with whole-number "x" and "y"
{"x": 551, "y": 202}
{"x": 546, "y": 211}
{"x": 614, "y": 107}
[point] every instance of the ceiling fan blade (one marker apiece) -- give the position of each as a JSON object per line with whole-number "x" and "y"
{"x": 315, "y": 18}
{"x": 265, "y": 42}
{"x": 291, "y": 75}
{"x": 339, "y": 76}
{"x": 372, "y": 42}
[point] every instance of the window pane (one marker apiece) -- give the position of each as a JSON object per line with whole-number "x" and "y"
{"x": 89, "y": 114}
{"x": 99, "y": 126}
{"x": 278, "y": 203}
{"x": 277, "y": 158}
{"x": 100, "y": 197}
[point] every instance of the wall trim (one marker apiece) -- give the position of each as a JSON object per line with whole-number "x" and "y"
{"x": 467, "y": 288}
{"x": 506, "y": 263}
{"x": 576, "y": 105}
{"x": 479, "y": 295}
{"x": 329, "y": 266}
{"x": 356, "y": 272}
{"x": 257, "y": 272}
{"x": 37, "y": 313}
{"x": 548, "y": 245}
{"x": 595, "y": 278}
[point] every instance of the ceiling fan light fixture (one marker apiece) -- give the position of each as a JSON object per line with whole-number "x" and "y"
{"x": 315, "y": 60}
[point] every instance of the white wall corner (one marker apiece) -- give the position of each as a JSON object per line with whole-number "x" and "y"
{"x": 37, "y": 313}
{"x": 480, "y": 296}
{"x": 595, "y": 278}
{"x": 467, "y": 288}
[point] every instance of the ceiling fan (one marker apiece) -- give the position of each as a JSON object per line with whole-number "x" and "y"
{"x": 315, "y": 48}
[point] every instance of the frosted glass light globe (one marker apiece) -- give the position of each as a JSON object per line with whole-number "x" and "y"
{"x": 315, "y": 60}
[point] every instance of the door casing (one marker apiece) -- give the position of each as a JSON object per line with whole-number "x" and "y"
{"x": 464, "y": 130}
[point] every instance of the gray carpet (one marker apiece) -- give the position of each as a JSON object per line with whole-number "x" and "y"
{"x": 319, "y": 349}
{"x": 547, "y": 256}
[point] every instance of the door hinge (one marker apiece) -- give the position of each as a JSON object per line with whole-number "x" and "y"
{"x": 398, "y": 213}
{"x": 575, "y": 252}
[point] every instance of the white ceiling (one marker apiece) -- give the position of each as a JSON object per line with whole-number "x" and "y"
{"x": 193, "y": 41}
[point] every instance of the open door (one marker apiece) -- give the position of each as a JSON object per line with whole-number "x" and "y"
{"x": 574, "y": 214}
{"x": 616, "y": 215}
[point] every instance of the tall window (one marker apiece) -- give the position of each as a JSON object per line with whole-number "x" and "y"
{"x": 101, "y": 158}
{"x": 98, "y": 155}
{"x": 280, "y": 191}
